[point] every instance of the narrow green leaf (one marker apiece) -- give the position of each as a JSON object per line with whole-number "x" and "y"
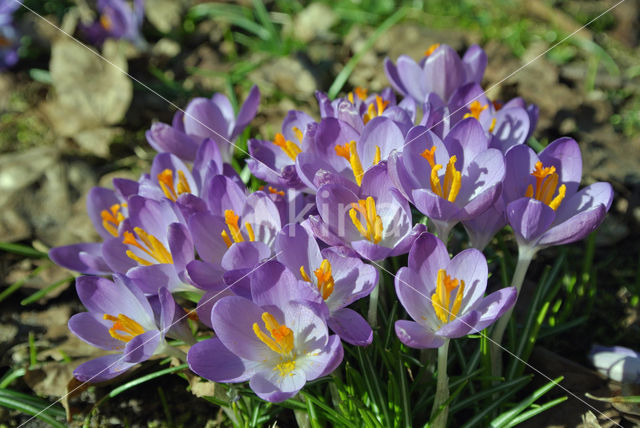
{"x": 22, "y": 250}
{"x": 509, "y": 415}
{"x": 48, "y": 289}
{"x": 531, "y": 413}
{"x": 146, "y": 378}
{"x": 35, "y": 407}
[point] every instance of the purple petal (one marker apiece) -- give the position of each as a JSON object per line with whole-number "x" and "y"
{"x": 94, "y": 329}
{"x": 222, "y": 193}
{"x": 466, "y": 141}
{"x": 435, "y": 207}
{"x": 84, "y": 258}
{"x": 519, "y": 163}
{"x": 511, "y": 128}
{"x": 428, "y": 255}
{"x": 142, "y": 347}
{"x": 165, "y": 138}
{"x": 529, "y": 219}
{"x": 443, "y": 72}
{"x": 270, "y": 386}
{"x": 211, "y": 360}
{"x": 351, "y": 327}
{"x": 326, "y": 360}
{"x": 394, "y": 78}
{"x": 494, "y": 306}
{"x": 475, "y": 62}
{"x": 575, "y": 228}
{"x": 460, "y": 326}
{"x": 245, "y": 255}
{"x": 416, "y": 335}
{"x": 564, "y": 154}
{"x": 206, "y": 230}
{"x": 590, "y": 197}
{"x": 470, "y": 266}
{"x": 102, "y": 368}
{"x": 232, "y": 319}
{"x": 205, "y": 275}
{"x": 296, "y": 248}
{"x": 151, "y": 278}
{"x": 411, "y": 76}
{"x": 414, "y": 294}
{"x": 380, "y": 132}
{"x": 99, "y": 199}
{"x": 247, "y": 111}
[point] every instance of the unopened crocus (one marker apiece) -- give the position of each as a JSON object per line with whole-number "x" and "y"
{"x": 121, "y": 319}
{"x": 214, "y": 118}
{"x": 204, "y": 118}
{"x": 373, "y": 219}
{"x": 448, "y": 180}
{"x": 337, "y": 276}
{"x": 441, "y": 72}
{"x": 117, "y": 20}
{"x": 275, "y": 342}
{"x": 617, "y": 363}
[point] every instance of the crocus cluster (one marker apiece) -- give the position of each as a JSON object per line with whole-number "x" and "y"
{"x": 9, "y": 37}
{"x": 274, "y": 270}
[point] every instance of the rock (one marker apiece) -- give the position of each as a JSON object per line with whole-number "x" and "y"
{"x": 314, "y": 22}
{"x": 165, "y": 15}
{"x": 286, "y": 74}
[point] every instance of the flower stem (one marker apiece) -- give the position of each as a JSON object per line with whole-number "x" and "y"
{"x": 442, "y": 389}
{"x": 525, "y": 255}
{"x": 372, "y": 315}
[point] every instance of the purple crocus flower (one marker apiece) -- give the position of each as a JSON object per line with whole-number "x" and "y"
{"x": 343, "y": 155}
{"x": 121, "y": 319}
{"x": 545, "y": 207}
{"x": 451, "y": 180}
{"x": 275, "y": 161}
{"x": 234, "y": 234}
{"x": 154, "y": 247}
{"x": 204, "y": 118}
{"x": 617, "y": 363}
{"x": 445, "y": 297}
{"x": 373, "y": 219}
{"x": 441, "y": 72}
{"x": 108, "y": 211}
{"x": 9, "y": 38}
{"x": 117, "y": 20}
{"x": 337, "y": 277}
{"x": 275, "y": 342}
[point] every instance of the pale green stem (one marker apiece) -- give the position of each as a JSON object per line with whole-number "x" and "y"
{"x": 372, "y": 315}
{"x": 442, "y": 388}
{"x": 174, "y": 352}
{"x": 442, "y": 229}
{"x": 525, "y": 255}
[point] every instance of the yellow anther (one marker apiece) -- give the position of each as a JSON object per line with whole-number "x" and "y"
{"x": 112, "y": 218}
{"x": 349, "y": 152}
{"x": 441, "y": 299}
{"x": 105, "y": 21}
{"x": 235, "y": 234}
{"x": 165, "y": 179}
{"x": 298, "y": 132}
{"x": 452, "y": 177}
{"x": 252, "y": 236}
{"x": 429, "y": 155}
{"x": 124, "y": 328}
{"x": 493, "y": 124}
{"x": 289, "y": 147}
{"x": 431, "y": 48}
{"x": 359, "y": 92}
{"x": 375, "y": 109}
{"x": 476, "y": 108}
{"x": 303, "y": 274}
{"x": 275, "y": 191}
{"x": 325, "y": 279}
{"x": 281, "y": 336}
{"x": 149, "y": 244}
{"x": 376, "y": 157}
{"x": 546, "y": 185}
{"x": 372, "y": 231}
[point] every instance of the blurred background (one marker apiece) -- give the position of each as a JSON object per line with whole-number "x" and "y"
{"x": 73, "y": 114}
